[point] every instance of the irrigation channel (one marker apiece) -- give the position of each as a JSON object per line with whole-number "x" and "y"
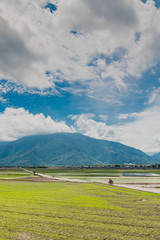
{"x": 154, "y": 188}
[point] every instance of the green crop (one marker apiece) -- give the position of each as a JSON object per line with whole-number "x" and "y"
{"x": 57, "y": 210}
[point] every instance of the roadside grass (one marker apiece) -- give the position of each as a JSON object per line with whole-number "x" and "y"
{"x": 62, "y": 210}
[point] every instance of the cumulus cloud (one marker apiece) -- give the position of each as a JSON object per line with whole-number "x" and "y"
{"x": 18, "y": 63}
{"x": 77, "y": 43}
{"x": 85, "y": 124}
{"x": 115, "y": 15}
{"x": 16, "y": 123}
{"x": 143, "y": 132}
{"x": 104, "y": 15}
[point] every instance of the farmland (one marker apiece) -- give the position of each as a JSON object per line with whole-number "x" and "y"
{"x": 63, "y": 210}
{"x": 102, "y": 176}
{"x": 12, "y": 174}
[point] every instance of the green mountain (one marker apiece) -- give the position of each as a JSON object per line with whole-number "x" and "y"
{"x": 68, "y": 149}
{"x": 157, "y": 156}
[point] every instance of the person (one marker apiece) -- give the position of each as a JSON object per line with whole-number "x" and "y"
{"x": 110, "y": 181}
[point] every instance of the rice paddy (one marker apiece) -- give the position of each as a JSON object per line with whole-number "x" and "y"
{"x": 63, "y": 210}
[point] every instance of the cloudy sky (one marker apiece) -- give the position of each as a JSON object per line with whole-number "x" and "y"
{"x": 81, "y": 66}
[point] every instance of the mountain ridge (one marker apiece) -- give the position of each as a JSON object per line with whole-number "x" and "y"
{"x": 68, "y": 149}
{"x": 156, "y": 155}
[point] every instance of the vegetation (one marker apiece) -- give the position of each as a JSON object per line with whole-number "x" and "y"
{"x": 68, "y": 149}
{"x": 95, "y": 170}
{"x": 157, "y": 155}
{"x": 12, "y": 173}
{"x": 70, "y": 211}
{"x": 102, "y": 175}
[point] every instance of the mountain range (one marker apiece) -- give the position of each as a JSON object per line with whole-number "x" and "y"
{"x": 68, "y": 149}
{"x": 156, "y": 156}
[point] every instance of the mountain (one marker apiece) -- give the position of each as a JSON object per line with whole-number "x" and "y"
{"x": 157, "y": 156}
{"x": 68, "y": 149}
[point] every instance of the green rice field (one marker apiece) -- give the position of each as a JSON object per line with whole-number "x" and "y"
{"x": 35, "y": 209}
{"x": 12, "y": 174}
{"x": 63, "y": 210}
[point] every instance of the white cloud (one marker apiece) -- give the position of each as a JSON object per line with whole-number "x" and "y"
{"x": 85, "y": 124}
{"x": 154, "y": 97}
{"x": 130, "y": 115}
{"x": 143, "y": 132}
{"x": 3, "y": 100}
{"x": 87, "y": 15}
{"x": 34, "y": 41}
{"x": 16, "y": 123}
{"x": 103, "y": 117}
{"x": 18, "y": 62}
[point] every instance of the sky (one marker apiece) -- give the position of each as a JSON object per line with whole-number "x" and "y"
{"x": 81, "y": 66}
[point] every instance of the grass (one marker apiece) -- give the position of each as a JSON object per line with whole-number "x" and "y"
{"x": 13, "y": 173}
{"x": 61, "y": 210}
{"x": 93, "y": 171}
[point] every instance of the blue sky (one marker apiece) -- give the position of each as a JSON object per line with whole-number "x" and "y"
{"x": 79, "y": 66}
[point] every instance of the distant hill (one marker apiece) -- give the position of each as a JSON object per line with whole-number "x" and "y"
{"x": 68, "y": 149}
{"x": 157, "y": 156}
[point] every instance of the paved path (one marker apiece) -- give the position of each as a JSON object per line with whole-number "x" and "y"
{"x": 62, "y": 179}
{"x": 26, "y": 170}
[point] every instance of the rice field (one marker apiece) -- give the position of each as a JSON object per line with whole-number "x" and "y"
{"x": 12, "y": 173}
{"x": 62, "y": 210}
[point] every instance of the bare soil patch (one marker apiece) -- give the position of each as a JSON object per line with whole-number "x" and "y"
{"x": 26, "y": 236}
